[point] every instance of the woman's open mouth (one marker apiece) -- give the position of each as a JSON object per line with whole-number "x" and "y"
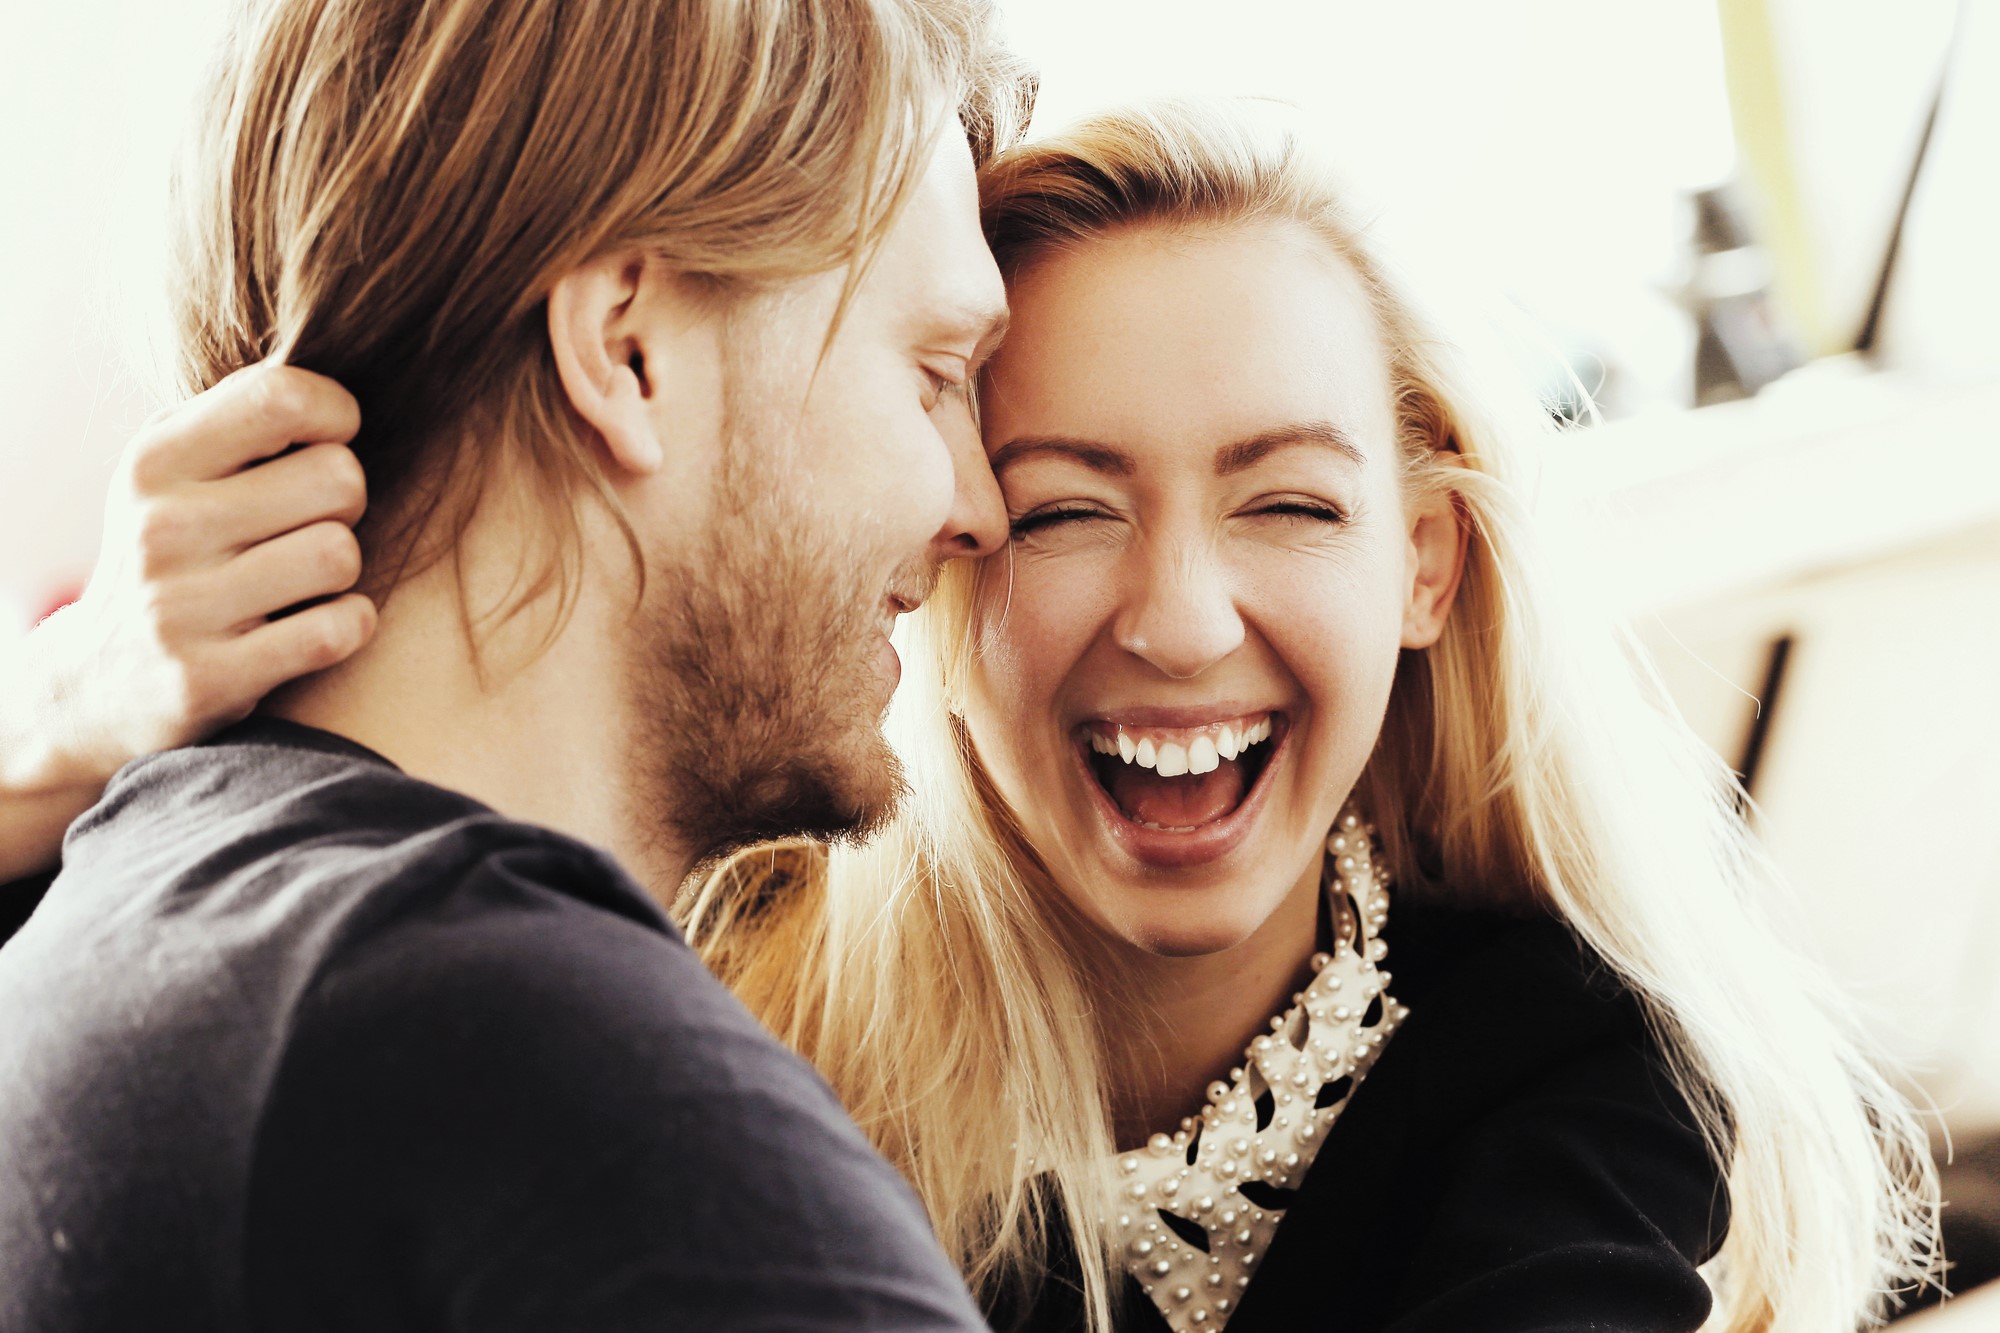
{"x": 1180, "y": 795}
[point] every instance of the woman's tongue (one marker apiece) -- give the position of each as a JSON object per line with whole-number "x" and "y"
{"x": 1182, "y": 802}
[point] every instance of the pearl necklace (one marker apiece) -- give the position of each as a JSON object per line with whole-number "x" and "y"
{"x": 1200, "y": 1206}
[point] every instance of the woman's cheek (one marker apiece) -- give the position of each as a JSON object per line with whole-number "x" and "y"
{"x": 1039, "y": 608}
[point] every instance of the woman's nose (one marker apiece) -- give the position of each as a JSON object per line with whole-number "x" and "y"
{"x": 1181, "y": 614}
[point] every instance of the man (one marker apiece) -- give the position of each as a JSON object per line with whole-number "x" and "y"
{"x": 657, "y": 316}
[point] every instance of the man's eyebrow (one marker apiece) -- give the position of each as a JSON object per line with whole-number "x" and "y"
{"x": 994, "y": 322}
{"x": 1319, "y": 434}
{"x": 978, "y": 320}
{"x": 1092, "y": 454}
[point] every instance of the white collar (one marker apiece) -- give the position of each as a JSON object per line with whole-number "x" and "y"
{"x": 1317, "y": 1050}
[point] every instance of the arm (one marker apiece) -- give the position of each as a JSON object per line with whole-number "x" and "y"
{"x": 212, "y": 527}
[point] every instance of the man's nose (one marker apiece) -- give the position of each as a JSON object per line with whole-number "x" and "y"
{"x": 1181, "y": 616}
{"x": 977, "y": 523}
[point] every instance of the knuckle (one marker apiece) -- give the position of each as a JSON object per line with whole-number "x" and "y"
{"x": 279, "y": 398}
{"x": 336, "y": 555}
{"x": 324, "y": 640}
{"x": 346, "y": 482}
{"x": 193, "y": 694}
{"x": 163, "y": 623}
{"x": 146, "y": 465}
{"x": 162, "y": 536}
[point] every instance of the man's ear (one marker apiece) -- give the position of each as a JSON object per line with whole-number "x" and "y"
{"x": 1438, "y": 535}
{"x": 596, "y": 332}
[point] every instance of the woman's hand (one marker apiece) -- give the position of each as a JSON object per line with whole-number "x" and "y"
{"x": 224, "y": 511}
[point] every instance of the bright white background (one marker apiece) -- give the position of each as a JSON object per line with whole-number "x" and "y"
{"x": 1541, "y": 146}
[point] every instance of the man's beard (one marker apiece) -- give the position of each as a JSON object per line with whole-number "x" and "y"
{"x": 753, "y": 666}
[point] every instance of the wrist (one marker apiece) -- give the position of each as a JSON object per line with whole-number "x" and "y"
{"x": 43, "y": 755}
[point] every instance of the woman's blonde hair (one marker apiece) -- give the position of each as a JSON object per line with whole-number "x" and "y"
{"x": 934, "y": 979}
{"x": 385, "y": 191}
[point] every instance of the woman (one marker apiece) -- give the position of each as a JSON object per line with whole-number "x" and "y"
{"x": 1260, "y": 766}
{"x": 1269, "y": 550}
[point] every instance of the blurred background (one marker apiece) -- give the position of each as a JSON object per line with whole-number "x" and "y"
{"x": 1759, "y": 231}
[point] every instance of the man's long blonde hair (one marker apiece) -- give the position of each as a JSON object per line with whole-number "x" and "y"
{"x": 385, "y": 191}
{"x": 937, "y": 980}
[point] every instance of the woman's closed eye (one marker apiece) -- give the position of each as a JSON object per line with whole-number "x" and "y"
{"x": 1042, "y": 520}
{"x": 1315, "y": 511}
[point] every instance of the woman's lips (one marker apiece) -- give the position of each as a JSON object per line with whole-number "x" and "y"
{"x": 1173, "y": 848}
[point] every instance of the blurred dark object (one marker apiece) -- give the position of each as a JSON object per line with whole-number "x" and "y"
{"x": 1739, "y": 345}
{"x": 1871, "y": 325}
{"x": 1758, "y": 735}
{"x": 1971, "y": 1227}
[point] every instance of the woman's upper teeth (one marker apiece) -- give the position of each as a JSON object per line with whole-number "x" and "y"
{"x": 1172, "y": 751}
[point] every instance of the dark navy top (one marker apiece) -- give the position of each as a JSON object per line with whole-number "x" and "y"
{"x": 1517, "y": 1161}
{"x": 298, "y": 1042}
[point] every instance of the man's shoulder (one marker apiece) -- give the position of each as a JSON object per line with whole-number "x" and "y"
{"x": 292, "y": 827}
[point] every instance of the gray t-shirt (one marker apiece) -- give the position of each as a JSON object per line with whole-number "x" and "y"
{"x": 299, "y": 1042}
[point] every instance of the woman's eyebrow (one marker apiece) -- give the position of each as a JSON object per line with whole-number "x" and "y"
{"x": 1318, "y": 434}
{"x": 1113, "y": 461}
{"x": 1096, "y": 456}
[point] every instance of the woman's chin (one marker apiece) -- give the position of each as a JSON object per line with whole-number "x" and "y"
{"x": 1179, "y": 936}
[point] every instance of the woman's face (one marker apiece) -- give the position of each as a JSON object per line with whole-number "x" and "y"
{"x": 1185, "y": 655}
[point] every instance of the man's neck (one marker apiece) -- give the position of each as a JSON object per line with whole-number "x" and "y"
{"x": 539, "y": 732}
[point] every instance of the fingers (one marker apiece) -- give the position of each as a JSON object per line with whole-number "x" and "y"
{"x": 308, "y": 641}
{"x": 310, "y": 562}
{"x": 321, "y": 481}
{"x": 258, "y": 412}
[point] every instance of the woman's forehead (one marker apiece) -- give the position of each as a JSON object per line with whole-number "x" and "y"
{"x": 1212, "y": 334}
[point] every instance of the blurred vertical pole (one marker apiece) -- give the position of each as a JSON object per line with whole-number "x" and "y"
{"x": 1755, "y": 78}
{"x": 1866, "y": 340}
